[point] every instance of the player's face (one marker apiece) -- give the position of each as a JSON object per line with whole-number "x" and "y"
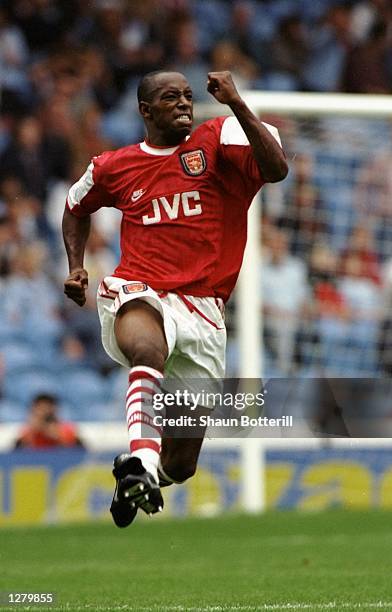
{"x": 170, "y": 112}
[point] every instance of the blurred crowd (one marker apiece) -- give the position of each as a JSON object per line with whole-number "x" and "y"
{"x": 68, "y": 77}
{"x": 328, "y": 247}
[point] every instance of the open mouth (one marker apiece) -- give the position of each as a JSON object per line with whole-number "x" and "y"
{"x": 184, "y": 119}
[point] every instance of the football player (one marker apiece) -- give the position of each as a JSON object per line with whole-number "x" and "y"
{"x": 184, "y": 196}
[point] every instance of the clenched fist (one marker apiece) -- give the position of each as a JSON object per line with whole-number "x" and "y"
{"x": 221, "y": 86}
{"x": 75, "y": 285}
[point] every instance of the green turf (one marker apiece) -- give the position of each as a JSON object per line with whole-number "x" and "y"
{"x": 335, "y": 560}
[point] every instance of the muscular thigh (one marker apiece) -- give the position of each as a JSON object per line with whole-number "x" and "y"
{"x": 138, "y": 327}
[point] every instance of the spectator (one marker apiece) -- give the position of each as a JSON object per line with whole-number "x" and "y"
{"x": 366, "y": 69}
{"x": 185, "y": 56}
{"x": 289, "y": 53}
{"x": 363, "y": 298}
{"x": 304, "y": 215}
{"x": 129, "y": 36}
{"x": 25, "y": 214}
{"x": 34, "y": 158}
{"x": 284, "y": 292}
{"x": 361, "y": 245}
{"x": 13, "y": 56}
{"x": 89, "y": 141}
{"x": 43, "y": 22}
{"x": 44, "y": 428}
{"x": 226, "y": 55}
{"x": 31, "y": 304}
{"x": 364, "y": 16}
{"x": 98, "y": 78}
{"x": 328, "y": 300}
{"x": 11, "y": 189}
{"x": 322, "y": 336}
{"x": 241, "y": 28}
{"x": 140, "y": 40}
{"x": 329, "y": 42}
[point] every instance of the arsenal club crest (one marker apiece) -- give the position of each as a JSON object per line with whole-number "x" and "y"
{"x": 194, "y": 162}
{"x": 134, "y": 288}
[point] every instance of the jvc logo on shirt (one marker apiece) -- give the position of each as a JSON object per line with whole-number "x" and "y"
{"x": 162, "y": 205}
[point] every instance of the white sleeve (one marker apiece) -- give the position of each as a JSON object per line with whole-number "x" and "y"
{"x": 233, "y": 134}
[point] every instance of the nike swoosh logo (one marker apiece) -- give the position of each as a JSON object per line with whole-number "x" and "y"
{"x": 137, "y": 195}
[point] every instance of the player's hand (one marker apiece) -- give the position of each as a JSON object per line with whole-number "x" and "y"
{"x": 75, "y": 285}
{"x": 221, "y": 86}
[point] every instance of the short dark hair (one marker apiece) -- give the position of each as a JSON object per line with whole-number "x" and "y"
{"x": 144, "y": 89}
{"x": 44, "y": 397}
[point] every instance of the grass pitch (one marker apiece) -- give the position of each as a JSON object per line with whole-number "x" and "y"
{"x": 336, "y": 560}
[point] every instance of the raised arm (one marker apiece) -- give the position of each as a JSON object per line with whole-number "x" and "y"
{"x": 75, "y": 233}
{"x": 268, "y": 154}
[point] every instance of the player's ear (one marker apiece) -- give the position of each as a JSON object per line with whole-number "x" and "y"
{"x": 144, "y": 109}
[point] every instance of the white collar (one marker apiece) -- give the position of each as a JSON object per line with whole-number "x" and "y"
{"x": 159, "y": 150}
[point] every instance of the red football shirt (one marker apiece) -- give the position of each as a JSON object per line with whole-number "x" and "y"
{"x": 184, "y": 208}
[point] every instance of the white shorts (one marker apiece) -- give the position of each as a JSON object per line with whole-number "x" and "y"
{"x": 194, "y": 328}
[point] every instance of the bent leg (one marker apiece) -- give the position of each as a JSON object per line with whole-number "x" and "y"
{"x": 140, "y": 334}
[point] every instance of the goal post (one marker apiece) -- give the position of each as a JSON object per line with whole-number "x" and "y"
{"x": 303, "y": 104}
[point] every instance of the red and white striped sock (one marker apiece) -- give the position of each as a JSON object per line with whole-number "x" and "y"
{"x": 144, "y": 435}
